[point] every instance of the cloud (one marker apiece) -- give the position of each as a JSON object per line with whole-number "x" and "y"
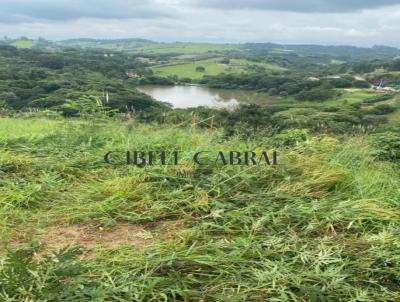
{"x": 18, "y": 11}
{"x": 311, "y": 6}
{"x": 189, "y": 20}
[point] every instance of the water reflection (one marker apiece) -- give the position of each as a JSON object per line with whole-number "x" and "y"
{"x": 194, "y": 96}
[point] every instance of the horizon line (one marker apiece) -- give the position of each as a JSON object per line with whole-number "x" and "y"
{"x": 4, "y": 38}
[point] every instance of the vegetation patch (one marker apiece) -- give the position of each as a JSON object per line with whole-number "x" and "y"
{"x": 322, "y": 224}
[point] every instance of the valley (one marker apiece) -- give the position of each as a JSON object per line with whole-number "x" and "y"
{"x": 283, "y": 182}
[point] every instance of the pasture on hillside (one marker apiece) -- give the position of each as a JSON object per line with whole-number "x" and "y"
{"x": 213, "y": 66}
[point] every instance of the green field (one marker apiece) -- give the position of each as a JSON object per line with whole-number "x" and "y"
{"x": 243, "y": 63}
{"x": 350, "y": 97}
{"x": 213, "y": 67}
{"x": 185, "y": 48}
{"x": 24, "y": 43}
{"x": 188, "y": 70}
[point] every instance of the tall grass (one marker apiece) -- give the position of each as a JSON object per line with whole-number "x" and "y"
{"x": 323, "y": 225}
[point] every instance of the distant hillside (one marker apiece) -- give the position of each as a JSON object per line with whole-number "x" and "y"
{"x": 26, "y": 43}
{"x": 345, "y": 53}
{"x": 340, "y": 53}
{"x": 88, "y": 42}
{"x": 322, "y": 54}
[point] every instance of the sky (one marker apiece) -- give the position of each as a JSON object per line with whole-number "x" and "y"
{"x": 327, "y": 22}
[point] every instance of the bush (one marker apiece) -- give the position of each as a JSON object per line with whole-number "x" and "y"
{"x": 361, "y": 84}
{"x": 289, "y": 138}
{"x": 369, "y": 120}
{"x": 273, "y": 91}
{"x": 381, "y": 109}
{"x": 331, "y": 109}
{"x": 225, "y": 61}
{"x": 316, "y": 94}
{"x": 246, "y": 120}
{"x": 200, "y": 69}
{"x": 388, "y": 145}
{"x": 377, "y": 99}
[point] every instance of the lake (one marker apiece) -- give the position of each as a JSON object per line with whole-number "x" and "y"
{"x": 194, "y": 96}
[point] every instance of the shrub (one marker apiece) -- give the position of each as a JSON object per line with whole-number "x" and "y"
{"x": 273, "y": 91}
{"x": 361, "y": 84}
{"x": 316, "y": 94}
{"x": 378, "y": 98}
{"x": 246, "y": 120}
{"x": 289, "y": 138}
{"x": 387, "y": 145}
{"x": 200, "y": 69}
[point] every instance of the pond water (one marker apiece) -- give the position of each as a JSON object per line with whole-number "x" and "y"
{"x": 194, "y": 96}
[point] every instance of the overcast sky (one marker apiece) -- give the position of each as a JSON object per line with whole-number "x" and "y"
{"x": 353, "y": 22}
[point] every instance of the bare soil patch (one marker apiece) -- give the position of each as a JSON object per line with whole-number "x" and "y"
{"x": 92, "y": 237}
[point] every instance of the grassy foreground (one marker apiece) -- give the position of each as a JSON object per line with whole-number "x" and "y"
{"x": 323, "y": 225}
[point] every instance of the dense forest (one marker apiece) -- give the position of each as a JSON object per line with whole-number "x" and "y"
{"x": 72, "y": 78}
{"x": 68, "y": 80}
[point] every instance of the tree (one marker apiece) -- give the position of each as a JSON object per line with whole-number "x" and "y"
{"x": 9, "y": 98}
{"x": 225, "y": 61}
{"x": 200, "y": 69}
{"x": 361, "y": 84}
{"x": 316, "y": 94}
{"x": 273, "y": 91}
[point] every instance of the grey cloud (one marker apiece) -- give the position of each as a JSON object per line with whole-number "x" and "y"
{"x": 320, "y": 6}
{"x": 20, "y": 11}
{"x": 206, "y": 20}
{"x": 62, "y": 10}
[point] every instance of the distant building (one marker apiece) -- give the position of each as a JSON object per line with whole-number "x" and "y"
{"x": 132, "y": 75}
{"x": 380, "y": 70}
{"x": 333, "y": 77}
{"x": 313, "y": 79}
{"x": 143, "y": 60}
{"x": 384, "y": 89}
{"x": 390, "y": 89}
